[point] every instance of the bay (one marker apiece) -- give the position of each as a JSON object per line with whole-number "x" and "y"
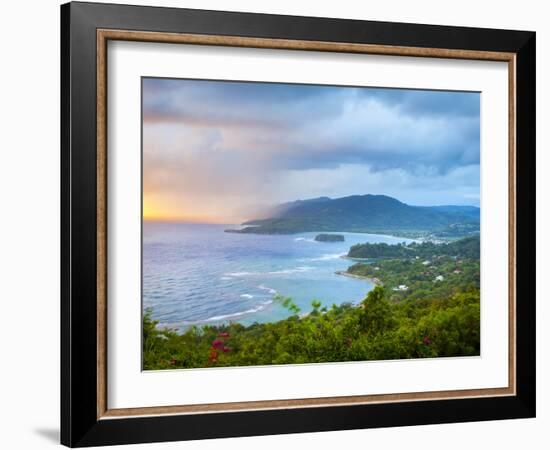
{"x": 196, "y": 274}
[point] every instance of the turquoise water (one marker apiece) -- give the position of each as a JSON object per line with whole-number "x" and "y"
{"x": 198, "y": 274}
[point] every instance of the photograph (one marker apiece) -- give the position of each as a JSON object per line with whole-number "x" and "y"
{"x": 304, "y": 223}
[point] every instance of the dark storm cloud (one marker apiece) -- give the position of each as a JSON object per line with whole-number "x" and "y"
{"x": 386, "y": 128}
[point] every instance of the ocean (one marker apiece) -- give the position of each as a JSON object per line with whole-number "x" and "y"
{"x": 196, "y": 274}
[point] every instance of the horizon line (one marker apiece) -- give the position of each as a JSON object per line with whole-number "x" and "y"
{"x": 214, "y": 221}
{"x": 188, "y": 221}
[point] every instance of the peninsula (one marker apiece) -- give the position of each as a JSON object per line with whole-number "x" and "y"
{"x": 376, "y": 214}
{"x": 324, "y": 237}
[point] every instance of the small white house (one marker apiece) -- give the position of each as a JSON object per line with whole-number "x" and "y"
{"x": 401, "y": 287}
{"x": 439, "y": 278}
{"x": 426, "y": 263}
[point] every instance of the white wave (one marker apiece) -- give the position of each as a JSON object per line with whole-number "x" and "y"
{"x": 260, "y": 307}
{"x": 239, "y": 274}
{"x": 268, "y": 289}
{"x": 273, "y": 272}
{"x": 304, "y": 239}
{"x": 326, "y": 257}
{"x": 289, "y": 271}
{"x": 225, "y": 278}
{"x": 247, "y": 296}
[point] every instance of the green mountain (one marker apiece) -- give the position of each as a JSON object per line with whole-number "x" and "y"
{"x": 364, "y": 213}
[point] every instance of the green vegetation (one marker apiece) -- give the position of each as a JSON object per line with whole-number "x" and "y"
{"x": 421, "y": 272}
{"x": 329, "y": 237}
{"x": 377, "y": 329}
{"x": 463, "y": 248}
{"x": 412, "y": 280}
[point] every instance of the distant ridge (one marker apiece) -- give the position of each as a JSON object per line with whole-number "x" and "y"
{"x": 362, "y": 213}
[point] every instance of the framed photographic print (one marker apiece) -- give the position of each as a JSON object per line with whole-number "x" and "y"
{"x": 276, "y": 224}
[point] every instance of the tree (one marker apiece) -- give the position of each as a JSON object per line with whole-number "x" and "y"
{"x": 376, "y": 315}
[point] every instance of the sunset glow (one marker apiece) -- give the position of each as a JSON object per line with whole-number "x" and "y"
{"x": 170, "y": 213}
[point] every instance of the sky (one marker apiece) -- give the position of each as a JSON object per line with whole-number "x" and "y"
{"x": 224, "y": 151}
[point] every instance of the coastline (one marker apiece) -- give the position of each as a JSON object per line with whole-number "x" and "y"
{"x": 374, "y": 281}
{"x": 290, "y": 274}
{"x": 247, "y": 229}
{"x": 351, "y": 258}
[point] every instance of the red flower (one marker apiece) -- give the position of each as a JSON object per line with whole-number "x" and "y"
{"x": 226, "y": 349}
{"x": 213, "y": 356}
{"x": 217, "y": 344}
{"x": 173, "y": 362}
{"x": 223, "y": 335}
{"x": 427, "y": 340}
